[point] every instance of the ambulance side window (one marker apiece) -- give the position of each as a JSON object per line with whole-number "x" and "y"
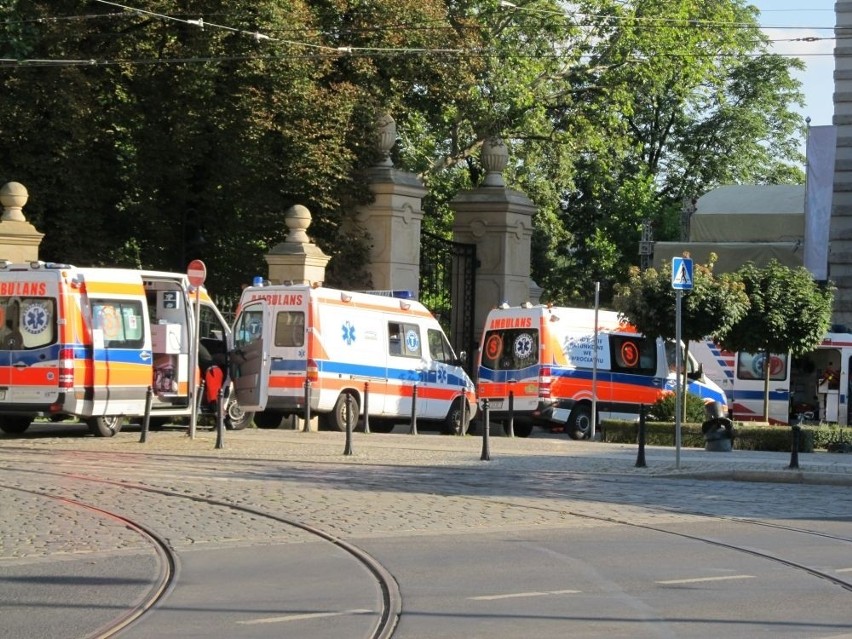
{"x": 404, "y": 339}
{"x": 121, "y": 321}
{"x": 753, "y": 366}
{"x": 210, "y": 327}
{"x": 28, "y": 322}
{"x": 249, "y": 328}
{"x": 290, "y": 328}
{"x": 633, "y": 354}
{"x": 439, "y": 347}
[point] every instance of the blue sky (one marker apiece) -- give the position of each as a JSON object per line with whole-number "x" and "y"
{"x": 786, "y": 20}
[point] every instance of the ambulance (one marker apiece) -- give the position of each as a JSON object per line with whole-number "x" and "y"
{"x": 338, "y": 351}
{"x": 88, "y": 343}
{"x": 545, "y": 361}
{"x": 813, "y": 387}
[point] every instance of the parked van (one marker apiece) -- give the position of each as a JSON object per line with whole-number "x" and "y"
{"x": 545, "y": 358}
{"x": 374, "y": 349}
{"x": 814, "y": 386}
{"x": 89, "y": 342}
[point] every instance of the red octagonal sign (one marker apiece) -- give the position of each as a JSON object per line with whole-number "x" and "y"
{"x": 197, "y": 272}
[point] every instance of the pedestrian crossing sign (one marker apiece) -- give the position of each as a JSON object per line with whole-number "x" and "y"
{"x": 682, "y": 273}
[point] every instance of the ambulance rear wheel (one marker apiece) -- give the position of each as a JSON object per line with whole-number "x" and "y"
{"x": 579, "y": 424}
{"x": 268, "y": 419}
{"x": 104, "y": 426}
{"x": 336, "y": 419}
{"x": 15, "y": 425}
{"x": 520, "y": 429}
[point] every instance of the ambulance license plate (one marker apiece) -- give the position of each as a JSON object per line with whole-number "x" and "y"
{"x": 495, "y": 403}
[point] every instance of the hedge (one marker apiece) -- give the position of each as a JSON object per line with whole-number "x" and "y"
{"x": 746, "y": 436}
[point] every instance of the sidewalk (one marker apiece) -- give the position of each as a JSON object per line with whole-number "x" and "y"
{"x": 542, "y": 452}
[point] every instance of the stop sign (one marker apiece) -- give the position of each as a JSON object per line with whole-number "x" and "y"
{"x": 197, "y": 273}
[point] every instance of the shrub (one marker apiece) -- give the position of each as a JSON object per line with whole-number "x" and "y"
{"x": 663, "y": 409}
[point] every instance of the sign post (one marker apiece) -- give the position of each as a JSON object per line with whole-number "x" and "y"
{"x": 197, "y": 273}
{"x": 681, "y": 281}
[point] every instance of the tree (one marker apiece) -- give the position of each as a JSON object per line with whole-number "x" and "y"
{"x": 713, "y": 306}
{"x": 789, "y": 312}
{"x": 681, "y": 96}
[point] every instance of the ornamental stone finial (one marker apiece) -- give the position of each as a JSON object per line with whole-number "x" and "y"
{"x": 298, "y": 219}
{"x": 13, "y": 197}
{"x": 385, "y": 137}
{"x": 494, "y": 158}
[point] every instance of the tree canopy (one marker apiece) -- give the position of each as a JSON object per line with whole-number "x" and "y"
{"x": 173, "y": 131}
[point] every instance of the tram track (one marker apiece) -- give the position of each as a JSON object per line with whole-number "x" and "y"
{"x": 167, "y": 561}
{"x": 391, "y": 599}
{"x": 421, "y": 480}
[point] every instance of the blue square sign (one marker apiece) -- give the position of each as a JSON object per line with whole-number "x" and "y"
{"x": 682, "y": 273}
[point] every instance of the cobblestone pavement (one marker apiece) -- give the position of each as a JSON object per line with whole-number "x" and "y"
{"x": 396, "y": 484}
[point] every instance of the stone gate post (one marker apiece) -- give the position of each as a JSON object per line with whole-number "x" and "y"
{"x": 19, "y": 240}
{"x": 498, "y": 220}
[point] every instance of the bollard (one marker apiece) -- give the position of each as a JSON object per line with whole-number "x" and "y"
{"x": 794, "y": 454}
{"x": 511, "y": 431}
{"x": 413, "y": 430}
{"x": 149, "y": 396}
{"x": 463, "y": 417}
{"x": 367, "y": 407}
{"x": 640, "y": 457}
{"x": 347, "y": 449}
{"x": 307, "y": 405}
{"x": 486, "y": 427}
{"x": 220, "y": 418}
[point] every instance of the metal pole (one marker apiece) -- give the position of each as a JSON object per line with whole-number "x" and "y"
{"x": 794, "y": 453}
{"x": 307, "y": 406}
{"x": 366, "y": 407}
{"x": 347, "y": 450}
{"x": 678, "y": 366}
{"x": 149, "y": 396}
{"x": 193, "y": 366}
{"x": 640, "y": 457}
{"x": 220, "y": 417}
{"x": 486, "y": 427}
{"x": 413, "y": 430}
{"x": 595, "y": 365}
{"x": 511, "y": 432}
{"x": 463, "y": 417}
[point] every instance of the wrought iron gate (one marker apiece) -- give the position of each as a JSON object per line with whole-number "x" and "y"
{"x": 447, "y": 288}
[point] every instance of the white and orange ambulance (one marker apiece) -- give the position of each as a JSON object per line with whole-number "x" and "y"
{"x": 363, "y": 346}
{"x": 544, "y": 357}
{"x": 87, "y": 343}
{"x": 814, "y": 386}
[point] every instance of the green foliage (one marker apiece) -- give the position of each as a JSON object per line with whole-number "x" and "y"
{"x": 177, "y": 134}
{"x": 647, "y": 300}
{"x": 788, "y": 311}
{"x": 664, "y": 408}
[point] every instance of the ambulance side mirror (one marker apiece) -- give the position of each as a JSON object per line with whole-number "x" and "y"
{"x": 698, "y": 373}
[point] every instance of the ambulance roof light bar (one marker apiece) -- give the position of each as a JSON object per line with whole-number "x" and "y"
{"x": 402, "y": 294}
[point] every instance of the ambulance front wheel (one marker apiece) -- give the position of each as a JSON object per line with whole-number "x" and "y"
{"x": 235, "y": 417}
{"x": 453, "y": 421}
{"x": 579, "y": 424}
{"x": 105, "y": 426}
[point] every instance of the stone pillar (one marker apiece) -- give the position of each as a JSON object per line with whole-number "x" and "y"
{"x": 297, "y": 260}
{"x": 498, "y": 220}
{"x": 840, "y": 232}
{"x": 393, "y": 219}
{"x": 19, "y": 240}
